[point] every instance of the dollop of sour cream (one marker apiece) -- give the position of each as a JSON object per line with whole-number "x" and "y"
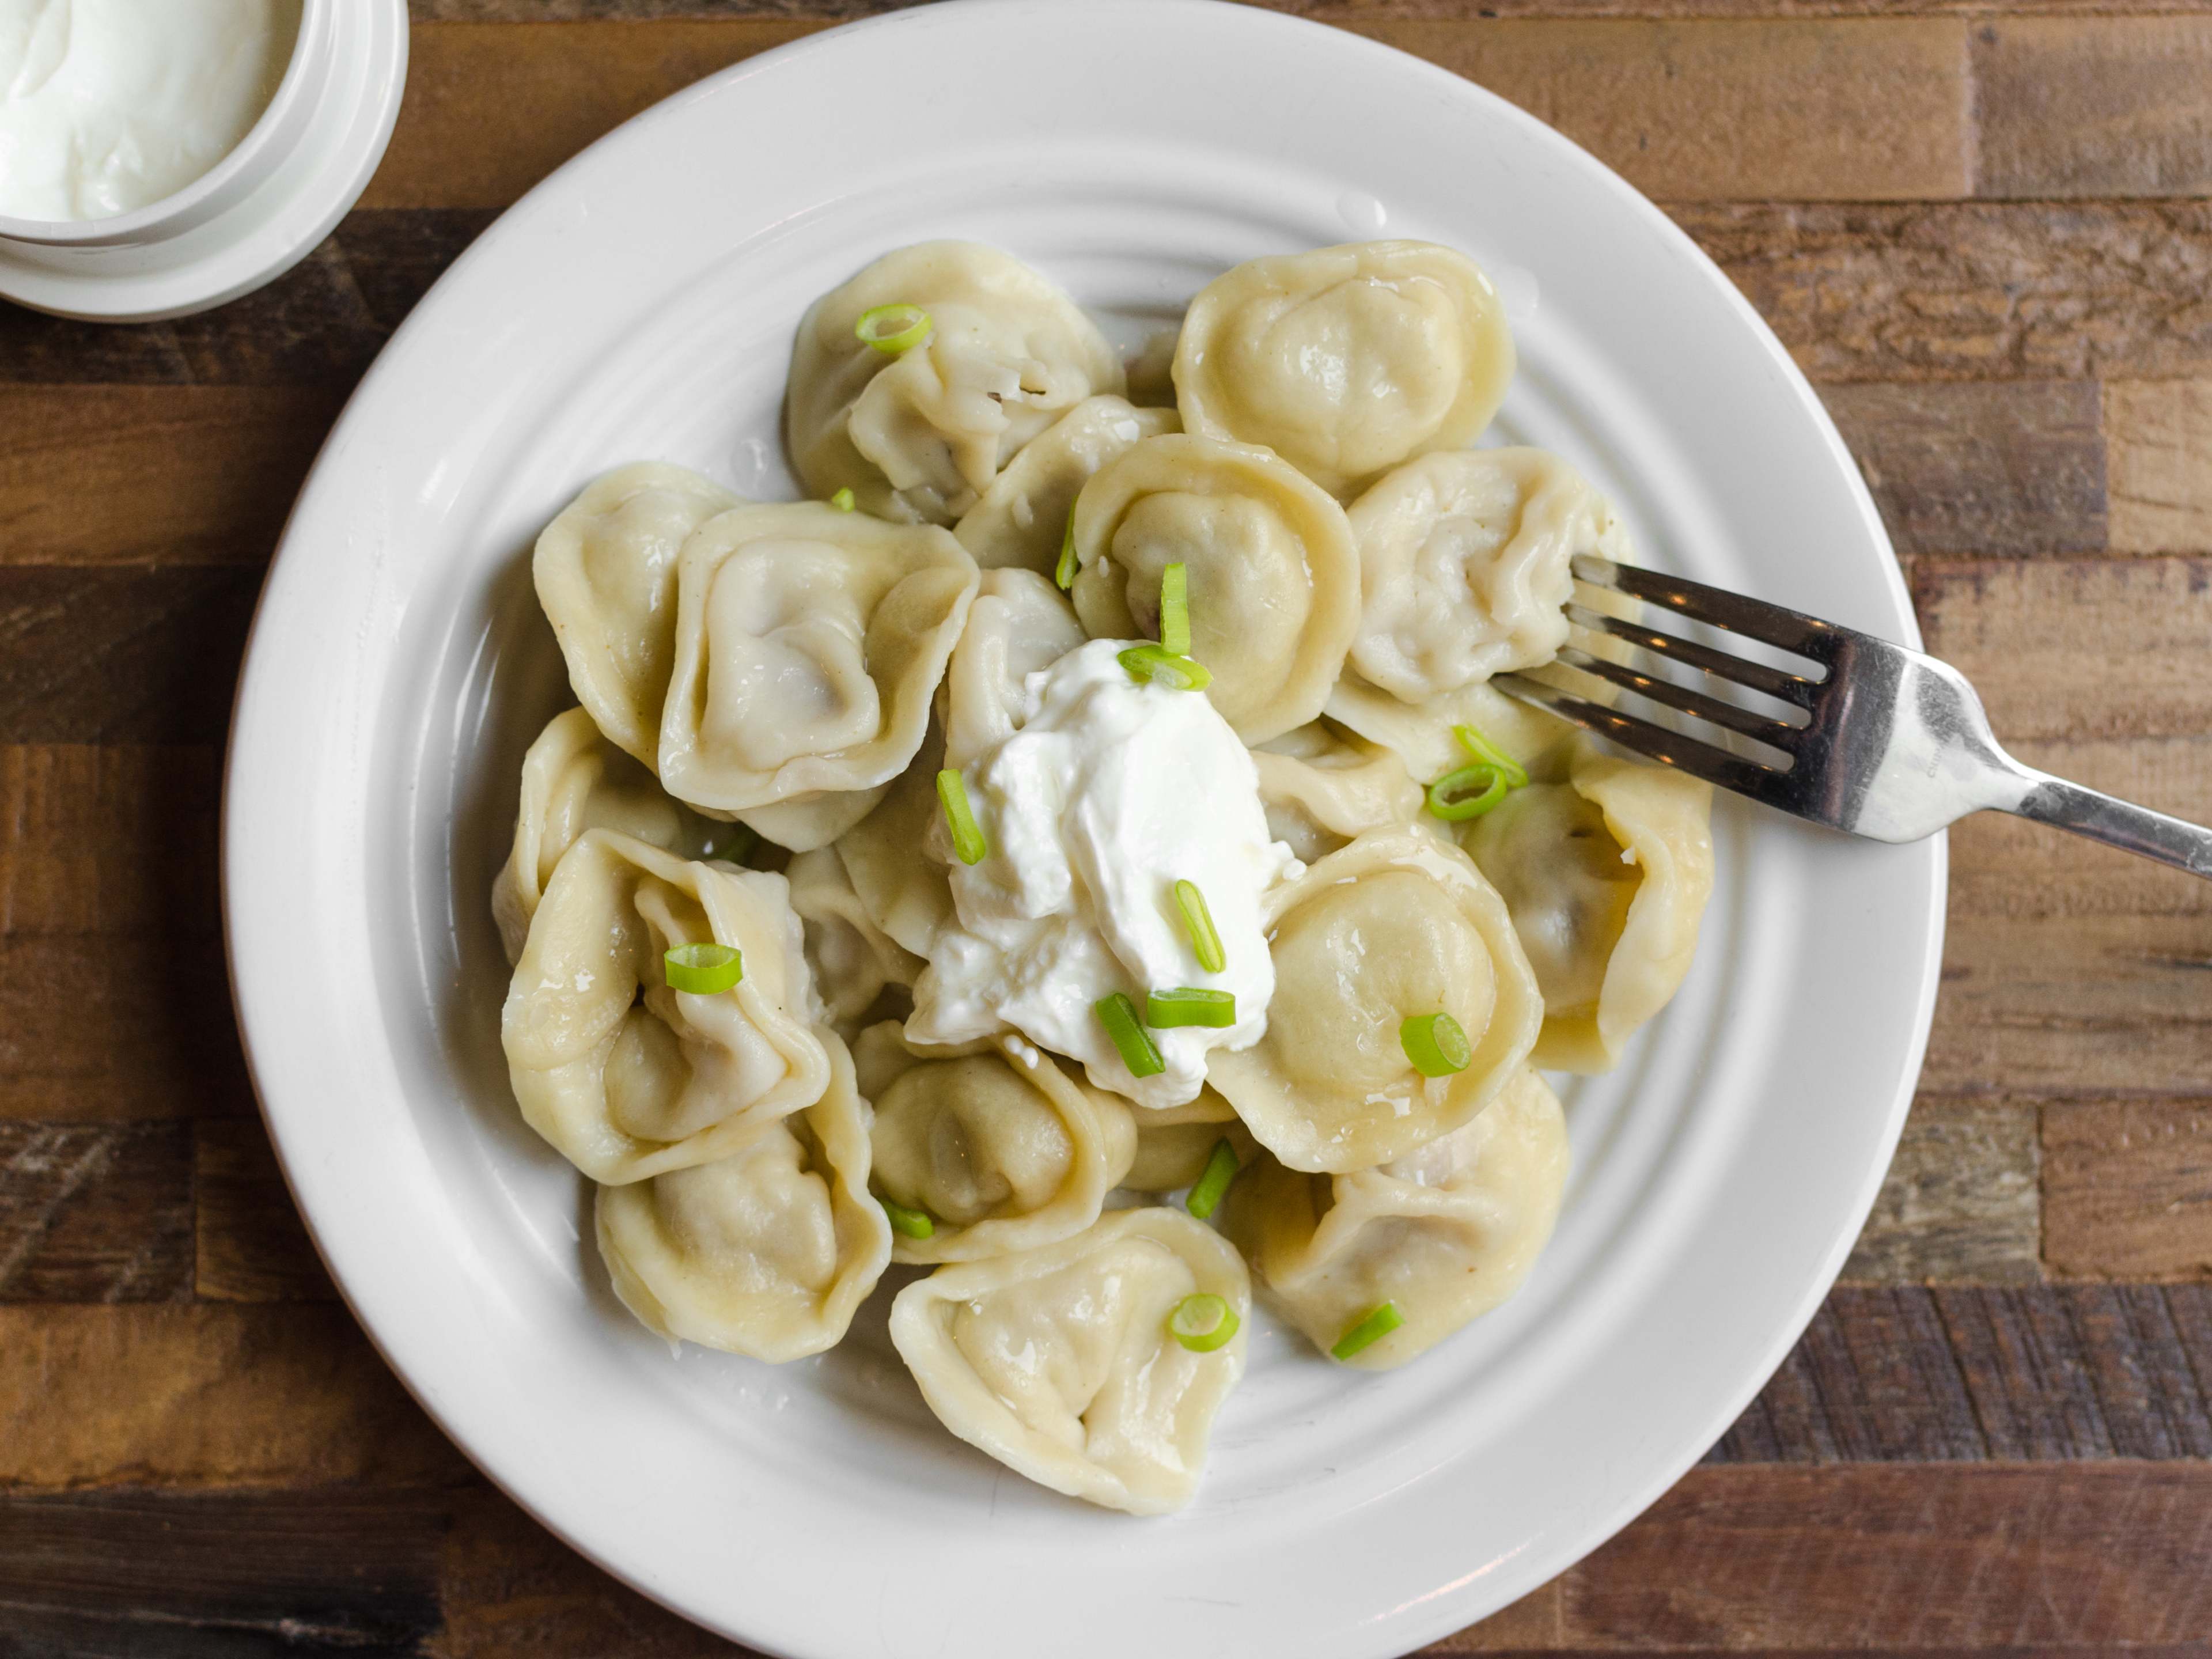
{"x": 109, "y": 106}
{"x": 1109, "y": 791}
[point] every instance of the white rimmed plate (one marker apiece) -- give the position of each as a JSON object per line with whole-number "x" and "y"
{"x": 641, "y": 304}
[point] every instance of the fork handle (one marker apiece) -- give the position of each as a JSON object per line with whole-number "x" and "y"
{"x": 2116, "y": 823}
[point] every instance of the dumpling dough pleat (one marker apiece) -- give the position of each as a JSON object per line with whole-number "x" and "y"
{"x": 1464, "y": 566}
{"x": 919, "y": 436}
{"x": 605, "y": 573}
{"x": 1447, "y": 1233}
{"x": 1002, "y": 1148}
{"x": 1057, "y": 1361}
{"x": 1420, "y": 734}
{"x": 903, "y": 885}
{"x": 1176, "y": 1143}
{"x": 765, "y": 1252}
{"x": 1607, "y": 875}
{"x": 1022, "y": 518}
{"x": 573, "y": 780}
{"x": 851, "y": 958}
{"x": 1019, "y": 624}
{"x": 1273, "y": 577}
{"x": 1397, "y": 924}
{"x": 1322, "y": 786}
{"x": 809, "y": 643}
{"x": 1346, "y": 361}
{"x": 626, "y": 1077}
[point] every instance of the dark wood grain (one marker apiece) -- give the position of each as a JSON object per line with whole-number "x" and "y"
{"x": 1970, "y": 468}
{"x": 175, "y": 1575}
{"x": 1962, "y": 1200}
{"x": 95, "y": 1212}
{"x": 2088, "y": 106}
{"x": 252, "y": 1246}
{"x": 108, "y": 841}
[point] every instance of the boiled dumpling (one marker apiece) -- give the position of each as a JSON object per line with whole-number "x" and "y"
{"x": 920, "y": 433}
{"x": 573, "y": 780}
{"x": 766, "y": 1251}
{"x": 1347, "y": 361}
{"x": 605, "y": 573}
{"x": 1322, "y": 786}
{"x": 905, "y": 890}
{"x": 1176, "y": 1143}
{"x": 626, "y": 1077}
{"x": 1464, "y": 566}
{"x": 1022, "y": 518}
{"x": 1445, "y": 1233}
{"x": 1019, "y": 624}
{"x": 805, "y": 823}
{"x": 1058, "y": 1361}
{"x": 1398, "y": 925}
{"x": 1273, "y": 577}
{"x": 1607, "y": 875}
{"x": 809, "y": 643}
{"x": 851, "y": 959}
{"x": 1000, "y": 1148}
{"x": 1420, "y": 734}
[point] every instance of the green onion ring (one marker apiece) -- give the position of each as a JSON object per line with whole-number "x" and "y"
{"x": 1368, "y": 1330}
{"x": 892, "y": 328}
{"x": 1197, "y": 922}
{"x": 968, "y": 841}
{"x": 1064, "y": 574}
{"x": 1189, "y": 1005}
{"x": 908, "y": 1223}
{"x": 704, "y": 971}
{"x": 1468, "y": 793}
{"x": 1203, "y": 1322}
{"x": 1220, "y": 1169}
{"x": 1119, "y": 1016}
{"x": 843, "y": 501}
{"x": 1177, "y": 673}
{"x": 1435, "y": 1043}
{"x": 1174, "y": 610}
{"x": 1489, "y": 754}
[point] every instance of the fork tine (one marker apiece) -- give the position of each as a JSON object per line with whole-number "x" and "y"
{"x": 1778, "y": 734}
{"x": 1788, "y": 688}
{"x": 1701, "y": 760}
{"x": 1788, "y": 630}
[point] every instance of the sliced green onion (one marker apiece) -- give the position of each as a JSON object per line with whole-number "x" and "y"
{"x": 842, "y": 501}
{"x": 1119, "y": 1016}
{"x": 1487, "y": 753}
{"x": 1468, "y": 792}
{"x": 1203, "y": 1322}
{"x": 968, "y": 841}
{"x": 738, "y": 844}
{"x": 1370, "y": 1330}
{"x": 908, "y": 1223}
{"x": 1198, "y": 922}
{"x": 892, "y": 328}
{"x": 704, "y": 970}
{"x": 1436, "y": 1044}
{"x": 1189, "y": 1005}
{"x": 1065, "y": 574}
{"x": 1174, "y": 610}
{"x": 1175, "y": 672}
{"x": 1220, "y": 1170}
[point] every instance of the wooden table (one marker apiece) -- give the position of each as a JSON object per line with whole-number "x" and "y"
{"x": 1985, "y": 234}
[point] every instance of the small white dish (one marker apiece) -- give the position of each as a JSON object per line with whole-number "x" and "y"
{"x": 642, "y": 303}
{"x": 254, "y": 215}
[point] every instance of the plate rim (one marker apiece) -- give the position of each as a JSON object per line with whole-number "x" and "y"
{"x": 1552, "y": 1557}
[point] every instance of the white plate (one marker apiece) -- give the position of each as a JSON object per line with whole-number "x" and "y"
{"x": 642, "y": 304}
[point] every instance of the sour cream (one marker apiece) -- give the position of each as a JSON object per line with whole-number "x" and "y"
{"x": 1110, "y": 792}
{"x": 109, "y": 106}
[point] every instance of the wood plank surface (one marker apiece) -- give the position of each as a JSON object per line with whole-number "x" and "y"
{"x": 2073, "y": 107}
{"x": 1962, "y": 1202}
{"x": 250, "y": 1244}
{"x": 2129, "y": 1188}
{"x": 2159, "y": 465}
{"x": 95, "y": 1212}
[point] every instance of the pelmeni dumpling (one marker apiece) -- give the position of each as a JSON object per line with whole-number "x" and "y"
{"x": 1176, "y": 1143}
{"x": 1420, "y": 734}
{"x": 1019, "y": 624}
{"x": 573, "y": 780}
{"x": 1322, "y": 786}
{"x": 809, "y": 643}
{"x": 1273, "y": 577}
{"x": 1002, "y": 1148}
{"x": 605, "y": 573}
{"x": 919, "y": 434}
{"x": 1464, "y": 566}
{"x": 1607, "y": 875}
{"x": 1398, "y": 924}
{"x": 766, "y": 1251}
{"x": 1445, "y": 1233}
{"x": 1347, "y": 361}
{"x": 806, "y": 823}
{"x": 1058, "y": 1361}
{"x": 851, "y": 959}
{"x": 905, "y": 889}
{"x": 625, "y": 1076}
{"x": 1021, "y": 519}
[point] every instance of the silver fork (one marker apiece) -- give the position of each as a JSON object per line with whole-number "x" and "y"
{"x": 1895, "y": 745}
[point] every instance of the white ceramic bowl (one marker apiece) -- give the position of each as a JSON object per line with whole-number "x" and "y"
{"x": 642, "y": 303}
{"x": 258, "y": 212}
